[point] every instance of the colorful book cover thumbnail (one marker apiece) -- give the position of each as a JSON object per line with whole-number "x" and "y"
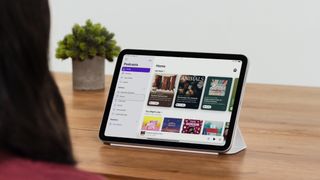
{"x": 191, "y": 126}
{"x": 214, "y": 128}
{"x": 171, "y": 125}
{"x": 189, "y": 91}
{"x": 216, "y": 94}
{"x": 151, "y": 123}
{"x": 233, "y": 94}
{"x": 162, "y": 90}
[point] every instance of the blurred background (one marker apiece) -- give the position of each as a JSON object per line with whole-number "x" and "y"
{"x": 280, "y": 38}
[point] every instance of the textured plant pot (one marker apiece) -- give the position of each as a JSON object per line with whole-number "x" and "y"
{"x": 88, "y": 74}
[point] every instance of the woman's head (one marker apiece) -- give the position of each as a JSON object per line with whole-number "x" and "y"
{"x": 32, "y": 115}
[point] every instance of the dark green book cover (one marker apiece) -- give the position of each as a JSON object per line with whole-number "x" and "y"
{"x": 216, "y": 94}
{"x": 233, "y": 95}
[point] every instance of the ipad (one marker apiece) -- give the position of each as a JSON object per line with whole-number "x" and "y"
{"x": 174, "y": 100}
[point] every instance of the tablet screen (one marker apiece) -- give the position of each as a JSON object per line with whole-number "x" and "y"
{"x": 179, "y": 99}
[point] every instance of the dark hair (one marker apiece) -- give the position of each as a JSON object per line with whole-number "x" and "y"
{"x": 32, "y": 114}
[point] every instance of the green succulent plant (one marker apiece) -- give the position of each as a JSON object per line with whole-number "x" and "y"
{"x": 88, "y": 41}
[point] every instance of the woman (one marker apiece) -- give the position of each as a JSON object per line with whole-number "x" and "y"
{"x": 34, "y": 137}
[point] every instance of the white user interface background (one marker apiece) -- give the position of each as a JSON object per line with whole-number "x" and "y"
{"x": 130, "y": 102}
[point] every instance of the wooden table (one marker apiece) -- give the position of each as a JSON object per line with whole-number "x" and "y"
{"x": 281, "y": 126}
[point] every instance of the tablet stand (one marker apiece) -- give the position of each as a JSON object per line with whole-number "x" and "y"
{"x": 238, "y": 145}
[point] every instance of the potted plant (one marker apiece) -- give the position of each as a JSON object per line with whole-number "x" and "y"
{"x": 88, "y": 46}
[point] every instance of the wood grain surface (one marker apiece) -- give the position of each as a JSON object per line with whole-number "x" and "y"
{"x": 281, "y": 126}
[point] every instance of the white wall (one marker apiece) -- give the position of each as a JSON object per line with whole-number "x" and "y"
{"x": 281, "y": 38}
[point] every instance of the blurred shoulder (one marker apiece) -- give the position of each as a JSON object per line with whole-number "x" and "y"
{"x": 12, "y": 167}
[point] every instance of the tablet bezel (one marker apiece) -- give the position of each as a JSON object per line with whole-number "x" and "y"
{"x": 216, "y": 56}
